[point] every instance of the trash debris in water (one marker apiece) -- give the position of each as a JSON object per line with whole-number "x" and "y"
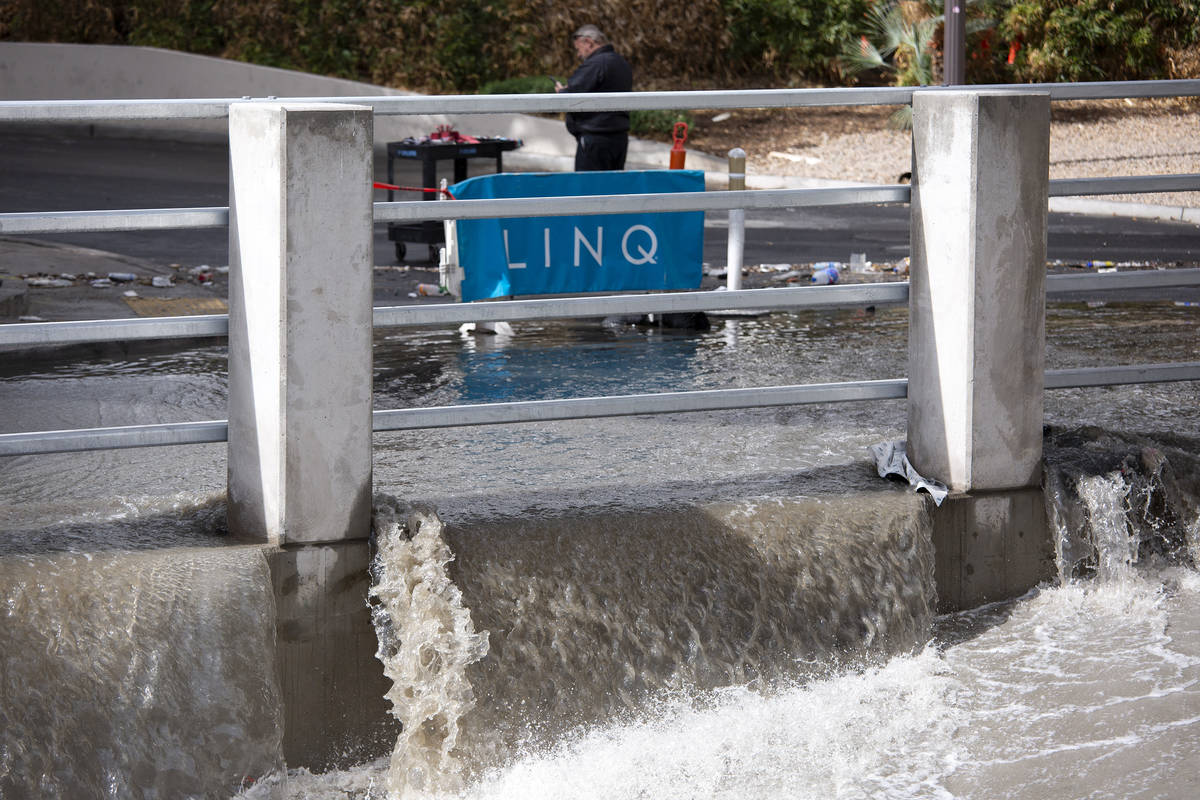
{"x": 891, "y": 460}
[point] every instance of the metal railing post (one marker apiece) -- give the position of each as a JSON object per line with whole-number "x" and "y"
{"x": 737, "y": 220}
{"x": 300, "y": 250}
{"x": 977, "y": 287}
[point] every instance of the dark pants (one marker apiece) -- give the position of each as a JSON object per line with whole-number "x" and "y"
{"x": 599, "y": 151}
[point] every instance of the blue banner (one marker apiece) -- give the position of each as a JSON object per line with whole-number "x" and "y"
{"x": 571, "y": 255}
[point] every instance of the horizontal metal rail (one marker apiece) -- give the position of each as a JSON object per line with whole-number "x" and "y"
{"x": 170, "y": 433}
{"x": 1125, "y": 184}
{"x": 145, "y": 219}
{"x": 132, "y": 219}
{"x": 639, "y": 203}
{"x": 730, "y": 399}
{"x": 33, "y": 334}
{"x": 1123, "y": 281}
{"x": 45, "y": 442}
{"x": 1082, "y": 377}
{"x": 218, "y": 108}
{"x": 667, "y": 303}
{"x": 636, "y": 404}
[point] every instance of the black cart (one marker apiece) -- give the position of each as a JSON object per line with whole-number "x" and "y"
{"x": 431, "y": 232}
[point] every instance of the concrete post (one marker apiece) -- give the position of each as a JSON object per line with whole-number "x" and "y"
{"x": 977, "y": 287}
{"x": 300, "y": 254}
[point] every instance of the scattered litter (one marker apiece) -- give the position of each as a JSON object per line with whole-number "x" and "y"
{"x": 48, "y": 283}
{"x": 31, "y": 318}
{"x": 1187, "y": 304}
{"x": 412, "y": 294}
{"x": 66, "y": 276}
{"x": 716, "y": 272}
{"x": 891, "y": 459}
{"x": 131, "y": 293}
{"x": 859, "y": 263}
{"x": 496, "y": 328}
{"x": 1095, "y": 304}
{"x": 724, "y": 115}
{"x": 776, "y": 267}
{"x": 1097, "y": 263}
{"x": 790, "y": 275}
{"x": 1107, "y": 269}
{"x": 101, "y": 283}
{"x": 825, "y": 273}
{"x": 161, "y": 281}
{"x": 122, "y": 277}
{"x": 429, "y": 290}
{"x": 223, "y": 270}
{"x": 796, "y": 157}
{"x": 202, "y": 273}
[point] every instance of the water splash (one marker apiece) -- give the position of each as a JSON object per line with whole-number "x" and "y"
{"x": 426, "y": 642}
{"x": 1105, "y": 498}
{"x": 596, "y": 619}
{"x": 1119, "y": 500}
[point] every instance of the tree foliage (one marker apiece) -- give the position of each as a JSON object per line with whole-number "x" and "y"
{"x": 1093, "y": 40}
{"x": 436, "y": 45}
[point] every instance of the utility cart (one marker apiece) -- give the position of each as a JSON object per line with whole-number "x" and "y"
{"x": 443, "y": 145}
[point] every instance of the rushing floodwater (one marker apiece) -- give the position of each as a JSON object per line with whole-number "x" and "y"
{"x": 748, "y": 613}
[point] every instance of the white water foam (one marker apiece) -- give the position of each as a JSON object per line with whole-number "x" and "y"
{"x": 1081, "y": 690}
{"x": 427, "y": 642}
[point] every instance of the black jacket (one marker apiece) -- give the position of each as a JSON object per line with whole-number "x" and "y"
{"x": 603, "y": 71}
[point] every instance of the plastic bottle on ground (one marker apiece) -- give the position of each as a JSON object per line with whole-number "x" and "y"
{"x": 825, "y": 273}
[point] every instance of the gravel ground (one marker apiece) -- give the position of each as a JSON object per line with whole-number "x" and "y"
{"x": 1089, "y": 141}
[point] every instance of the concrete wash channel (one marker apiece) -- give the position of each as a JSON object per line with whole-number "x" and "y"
{"x": 985, "y": 547}
{"x": 300, "y": 453}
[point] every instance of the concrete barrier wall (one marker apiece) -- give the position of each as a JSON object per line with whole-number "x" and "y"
{"x": 31, "y": 71}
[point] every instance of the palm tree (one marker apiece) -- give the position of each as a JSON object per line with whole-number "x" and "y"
{"x": 902, "y": 39}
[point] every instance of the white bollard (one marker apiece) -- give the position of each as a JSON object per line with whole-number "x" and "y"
{"x": 976, "y": 353}
{"x": 300, "y": 319}
{"x": 737, "y": 221}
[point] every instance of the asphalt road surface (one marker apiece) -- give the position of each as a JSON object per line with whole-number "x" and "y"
{"x": 59, "y": 170}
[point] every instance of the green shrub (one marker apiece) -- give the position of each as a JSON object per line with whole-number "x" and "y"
{"x": 1096, "y": 40}
{"x": 792, "y": 37}
{"x": 535, "y": 84}
{"x": 657, "y": 124}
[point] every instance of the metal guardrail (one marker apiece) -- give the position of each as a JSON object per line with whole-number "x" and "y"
{"x": 505, "y": 413}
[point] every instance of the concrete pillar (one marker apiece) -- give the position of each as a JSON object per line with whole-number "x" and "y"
{"x": 976, "y": 347}
{"x": 335, "y": 710}
{"x": 300, "y": 254}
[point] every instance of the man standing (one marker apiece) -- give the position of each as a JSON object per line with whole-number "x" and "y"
{"x": 601, "y": 137}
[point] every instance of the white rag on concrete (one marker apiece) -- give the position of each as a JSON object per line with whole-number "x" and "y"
{"x": 890, "y": 459}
